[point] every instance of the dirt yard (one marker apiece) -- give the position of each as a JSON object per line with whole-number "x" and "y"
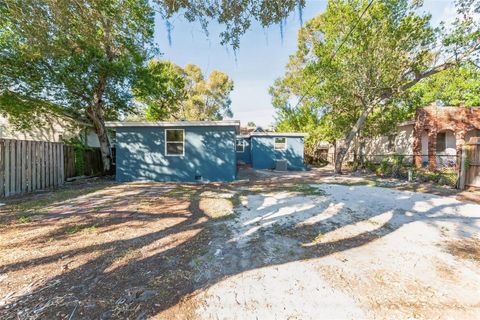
{"x": 270, "y": 246}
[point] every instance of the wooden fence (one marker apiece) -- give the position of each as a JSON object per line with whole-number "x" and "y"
{"x": 26, "y": 166}
{"x": 84, "y": 163}
{"x": 470, "y": 171}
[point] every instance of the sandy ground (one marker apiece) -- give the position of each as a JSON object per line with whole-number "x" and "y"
{"x": 351, "y": 252}
{"x": 307, "y": 245}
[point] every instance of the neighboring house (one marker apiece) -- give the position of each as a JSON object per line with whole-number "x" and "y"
{"x": 263, "y": 149}
{"x": 440, "y": 132}
{"x": 197, "y": 150}
{"x": 434, "y": 138}
{"x": 245, "y": 131}
{"x": 53, "y": 129}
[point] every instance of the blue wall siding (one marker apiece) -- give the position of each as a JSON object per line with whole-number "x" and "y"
{"x": 264, "y": 154}
{"x": 209, "y": 153}
{"x": 245, "y": 156}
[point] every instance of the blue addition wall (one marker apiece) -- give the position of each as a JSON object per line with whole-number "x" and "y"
{"x": 209, "y": 154}
{"x": 245, "y": 156}
{"x": 264, "y": 153}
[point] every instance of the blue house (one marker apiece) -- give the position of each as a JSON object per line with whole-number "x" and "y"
{"x": 263, "y": 149}
{"x": 176, "y": 151}
{"x": 198, "y": 150}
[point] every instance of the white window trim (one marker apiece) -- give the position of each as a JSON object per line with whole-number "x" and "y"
{"x": 166, "y": 142}
{"x": 243, "y": 146}
{"x": 275, "y": 143}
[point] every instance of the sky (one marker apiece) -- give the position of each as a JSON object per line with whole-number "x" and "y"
{"x": 261, "y": 58}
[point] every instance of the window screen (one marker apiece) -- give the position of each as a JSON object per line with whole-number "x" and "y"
{"x": 240, "y": 146}
{"x": 174, "y": 145}
{"x": 280, "y": 143}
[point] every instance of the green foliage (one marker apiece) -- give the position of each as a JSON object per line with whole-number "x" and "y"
{"x": 161, "y": 87}
{"x": 235, "y": 16}
{"x": 73, "y": 229}
{"x": 81, "y": 58}
{"x": 453, "y": 87}
{"x": 385, "y": 167}
{"x": 442, "y": 177}
{"x": 370, "y": 166}
{"x": 367, "y": 82}
{"x": 24, "y": 218}
{"x": 79, "y": 151}
{"x": 172, "y": 93}
{"x": 55, "y": 54}
{"x": 395, "y": 167}
{"x": 397, "y": 159}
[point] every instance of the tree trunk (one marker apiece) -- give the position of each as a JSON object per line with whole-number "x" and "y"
{"x": 345, "y": 145}
{"x": 101, "y": 131}
{"x": 95, "y": 114}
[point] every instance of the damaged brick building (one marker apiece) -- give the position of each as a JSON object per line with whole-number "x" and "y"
{"x": 440, "y": 132}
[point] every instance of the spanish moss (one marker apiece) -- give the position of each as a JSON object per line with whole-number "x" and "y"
{"x": 300, "y": 14}
{"x": 169, "y": 27}
{"x": 282, "y": 30}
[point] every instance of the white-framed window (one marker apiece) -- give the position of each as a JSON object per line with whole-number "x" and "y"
{"x": 174, "y": 142}
{"x": 280, "y": 144}
{"x": 240, "y": 145}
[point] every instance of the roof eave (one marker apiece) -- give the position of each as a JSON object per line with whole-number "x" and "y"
{"x": 278, "y": 134}
{"x": 163, "y": 124}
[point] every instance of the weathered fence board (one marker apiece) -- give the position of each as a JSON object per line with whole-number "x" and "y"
{"x": 470, "y": 169}
{"x": 26, "y": 166}
{"x": 2, "y": 168}
{"x": 18, "y": 167}
{"x": 23, "y": 152}
{"x": 6, "y": 169}
{"x": 34, "y": 166}
{"x": 41, "y": 166}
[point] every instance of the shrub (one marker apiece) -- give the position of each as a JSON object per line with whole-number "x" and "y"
{"x": 370, "y": 166}
{"x": 444, "y": 177}
{"x": 385, "y": 168}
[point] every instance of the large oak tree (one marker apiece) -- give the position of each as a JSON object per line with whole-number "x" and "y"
{"x": 80, "y": 58}
{"x": 357, "y": 66}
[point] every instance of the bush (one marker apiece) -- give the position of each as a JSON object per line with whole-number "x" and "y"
{"x": 385, "y": 168}
{"x": 370, "y": 166}
{"x": 394, "y": 166}
{"x": 443, "y": 177}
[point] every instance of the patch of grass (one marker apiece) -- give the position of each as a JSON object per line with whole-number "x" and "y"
{"x": 181, "y": 191}
{"x": 444, "y": 177}
{"x": 277, "y": 228}
{"x": 363, "y": 182}
{"x": 24, "y": 218}
{"x": 77, "y": 227}
{"x": 307, "y": 189}
{"x": 239, "y": 199}
{"x": 372, "y": 222}
{"x": 196, "y": 262}
{"x": 92, "y": 228}
{"x": 73, "y": 229}
{"x": 318, "y": 238}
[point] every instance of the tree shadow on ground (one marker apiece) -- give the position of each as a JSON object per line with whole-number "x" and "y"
{"x": 142, "y": 275}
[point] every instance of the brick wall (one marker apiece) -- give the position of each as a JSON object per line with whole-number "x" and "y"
{"x": 433, "y": 119}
